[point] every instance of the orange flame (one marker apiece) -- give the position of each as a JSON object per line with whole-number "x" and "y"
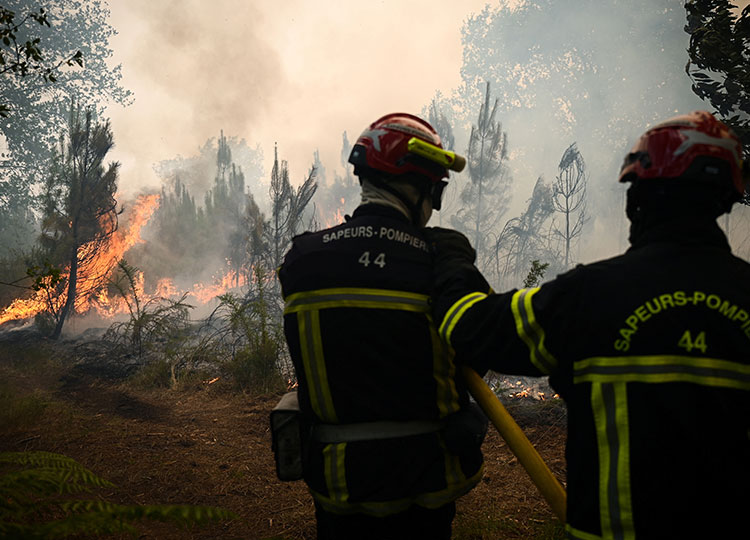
{"x": 338, "y": 216}
{"x": 93, "y": 271}
{"x": 206, "y": 293}
{"x": 98, "y": 261}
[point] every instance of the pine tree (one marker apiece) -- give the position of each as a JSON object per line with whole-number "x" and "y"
{"x": 80, "y": 210}
{"x": 442, "y": 125}
{"x": 569, "y": 197}
{"x": 225, "y": 208}
{"x": 486, "y": 198}
{"x": 287, "y": 208}
{"x": 524, "y": 238}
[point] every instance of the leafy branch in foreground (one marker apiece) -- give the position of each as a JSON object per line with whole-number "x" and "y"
{"x": 37, "y": 500}
{"x": 24, "y": 58}
{"x": 536, "y": 274}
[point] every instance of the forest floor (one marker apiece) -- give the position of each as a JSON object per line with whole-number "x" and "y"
{"x": 206, "y": 445}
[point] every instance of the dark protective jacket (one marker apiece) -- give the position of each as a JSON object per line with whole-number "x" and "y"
{"x": 365, "y": 349}
{"x": 650, "y": 351}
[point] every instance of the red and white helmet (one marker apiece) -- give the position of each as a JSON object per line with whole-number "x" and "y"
{"x": 690, "y": 145}
{"x": 383, "y": 147}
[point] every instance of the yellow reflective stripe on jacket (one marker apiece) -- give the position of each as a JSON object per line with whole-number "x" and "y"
{"x": 311, "y": 346}
{"x": 610, "y": 406}
{"x": 663, "y": 369}
{"x": 456, "y": 311}
{"x": 356, "y": 298}
{"x": 433, "y": 499}
{"x": 530, "y": 331}
{"x": 444, "y": 372}
{"x": 454, "y": 475}
{"x": 334, "y": 458}
{"x": 574, "y": 534}
{"x": 307, "y": 306}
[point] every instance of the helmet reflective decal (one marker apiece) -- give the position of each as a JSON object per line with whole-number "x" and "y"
{"x": 674, "y": 146}
{"x": 412, "y": 131}
{"x": 674, "y": 122}
{"x": 698, "y": 137}
{"x": 383, "y": 147}
{"x": 374, "y": 135}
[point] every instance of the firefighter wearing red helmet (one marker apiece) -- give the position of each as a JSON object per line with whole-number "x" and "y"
{"x": 392, "y": 438}
{"x": 648, "y": 349}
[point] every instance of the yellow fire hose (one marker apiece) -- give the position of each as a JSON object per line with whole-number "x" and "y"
{"x": 527, "y": 455}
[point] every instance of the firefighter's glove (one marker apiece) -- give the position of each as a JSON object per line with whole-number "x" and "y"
{"x": 448, "y": 245}
{"x": 465, "y": 430}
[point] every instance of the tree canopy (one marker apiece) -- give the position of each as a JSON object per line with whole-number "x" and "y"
{"x": 38, "y": 105}
{"x": 719, "y": 61}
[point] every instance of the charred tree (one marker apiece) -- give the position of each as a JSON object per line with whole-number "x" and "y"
{"x": 440, "y": 122}
{"x": 287, "y": 208}
{"x": 486, "y": 197}
{"x": 343, "y": 190}
{"x": 256, "y": 242}
{"x": 225, "y": 208}
{"x": 80, "y": 210}
{"x": 346, "y": 148}
{"x": 442, "y": 125}
{"x": 569, "y": 197}
{"x": 525, "y": 238}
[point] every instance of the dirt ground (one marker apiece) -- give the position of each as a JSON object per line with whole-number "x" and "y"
{"x": 205, "y": 445}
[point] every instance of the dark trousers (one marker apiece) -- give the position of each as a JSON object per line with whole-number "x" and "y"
{"x": 415, "y": 523}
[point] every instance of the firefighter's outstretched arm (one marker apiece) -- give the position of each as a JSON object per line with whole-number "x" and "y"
{"x": 455, "y": 277}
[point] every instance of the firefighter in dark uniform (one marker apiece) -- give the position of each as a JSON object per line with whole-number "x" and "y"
{"x": 393, "y": 440}
{"x": 649, "y": 349}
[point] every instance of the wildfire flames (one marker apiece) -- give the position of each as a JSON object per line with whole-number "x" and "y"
{"x": 337, "y": 217}
{"x": 97, "y": 265}
{"x": 519, "y": 389}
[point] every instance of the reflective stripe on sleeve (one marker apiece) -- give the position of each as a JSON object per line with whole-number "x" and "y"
{"x": 663, "y": 369}
{"x": 356, "y": 298}
{"x": 456, "y": 311}
{"x": 530, "y": 331}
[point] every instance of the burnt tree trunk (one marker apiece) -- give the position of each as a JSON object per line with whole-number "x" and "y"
{"x": 71, "y": 296}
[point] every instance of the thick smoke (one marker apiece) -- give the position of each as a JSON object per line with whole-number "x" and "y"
{"x": 596, "y": 73}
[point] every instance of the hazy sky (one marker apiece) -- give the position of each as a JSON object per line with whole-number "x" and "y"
{"x": 296, "y": 72}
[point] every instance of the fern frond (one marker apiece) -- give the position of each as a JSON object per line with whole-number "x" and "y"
{"x": 27, "y": 494}
{"x": 48, "y": 469}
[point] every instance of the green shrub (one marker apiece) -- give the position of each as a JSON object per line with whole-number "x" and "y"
{"x": 156, "y": 374}
{"x": 19, "y": 411}
{"x": 254, "y": 369}
{"x": 28, "y": 357}
{"x": 257, "y": 339}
